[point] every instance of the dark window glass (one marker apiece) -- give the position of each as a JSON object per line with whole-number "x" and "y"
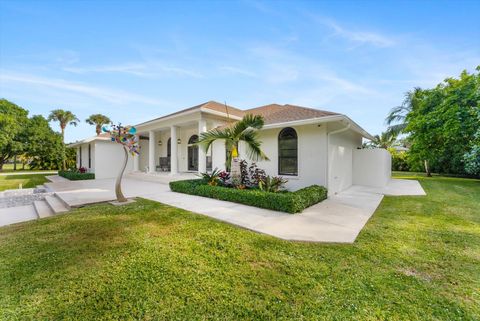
{"x": 193, "y": 139}
{"x": 89, "y": 156}
{"x": 288, "y": 152}
{"x": 169, "y": 147}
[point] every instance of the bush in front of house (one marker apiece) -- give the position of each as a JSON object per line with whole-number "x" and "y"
{"x": 290, "y": 202}
{"x": 76, "y": 175}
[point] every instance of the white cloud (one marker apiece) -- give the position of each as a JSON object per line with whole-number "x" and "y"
{"x": 237, "y": 70}
{"x": 357, "y": 36}
{"x": 150, "y": 69}
{"x": 106, "y": 94}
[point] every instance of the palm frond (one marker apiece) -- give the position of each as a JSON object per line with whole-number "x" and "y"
{"x": 254, "y": 152}
{"x": 207, "y": 138}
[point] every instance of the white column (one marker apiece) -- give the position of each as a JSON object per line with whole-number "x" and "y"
{"x": 202, "y": 156}
{"x": 174, "y": 151}
{"x": 136, "y": 159}
{"x": 151, "y": 151}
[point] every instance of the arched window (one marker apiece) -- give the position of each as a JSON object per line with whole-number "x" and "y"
{"x": 193, "y": 139}
{"x": 288, "y": 152}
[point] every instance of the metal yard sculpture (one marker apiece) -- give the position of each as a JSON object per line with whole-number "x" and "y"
{"x": 126, "y": 136}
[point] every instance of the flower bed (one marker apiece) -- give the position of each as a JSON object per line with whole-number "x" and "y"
{"x": 290, "y": 202}
{"x": 76, "y": 175}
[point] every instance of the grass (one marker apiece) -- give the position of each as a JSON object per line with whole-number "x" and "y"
{"x": 8, "y": 168}
{"x": 27, "y": 180}
{"x": 418, "y": 258}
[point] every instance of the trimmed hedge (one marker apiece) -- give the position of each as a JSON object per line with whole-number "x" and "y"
{"x": 290, "y": 202}
{"x": 76, "y": 176}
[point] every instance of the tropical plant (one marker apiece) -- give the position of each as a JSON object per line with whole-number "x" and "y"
{"x": 384, "y": 140}
{"x": 211, "y": 178}
{"x": 64, "y": 118}
{"x": 98, "y": 120}
{"x": 13, "y": 121}
{"x": 245, "y": 130}
{"x": 272, "y": 184}
{"x": 397, "y": 117}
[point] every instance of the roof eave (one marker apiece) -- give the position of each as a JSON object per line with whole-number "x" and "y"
{"x": 318, "y": 120}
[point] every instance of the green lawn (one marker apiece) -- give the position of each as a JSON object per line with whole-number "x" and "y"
{"x": 27, "y": 180}
{"x": 8, "y": 168}
{"x": 418, "y": 258}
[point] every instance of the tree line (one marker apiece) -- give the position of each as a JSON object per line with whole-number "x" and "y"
{"x": 440, "y": 127}
{"x": 31, "y": 139}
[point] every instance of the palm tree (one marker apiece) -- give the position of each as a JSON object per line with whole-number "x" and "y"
{"x": 397, "y": 120}
{"x": 384, "y": 140}
{"x": 98, "y": 120}
{"x": 245, "y": 130}
{"x": 64, "y": 117}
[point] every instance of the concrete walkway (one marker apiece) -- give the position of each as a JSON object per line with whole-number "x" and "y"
{"x": 337, "y": 219}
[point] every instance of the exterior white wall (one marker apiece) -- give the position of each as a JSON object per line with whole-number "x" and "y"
{"x": 143, "y": 164}
{"x": 84, "y": 158}
{"x": 109, "y": 159}
{"x": 372, "y": 167}
{"x": 340, "y": 160}
{"x": 312, "y": 155}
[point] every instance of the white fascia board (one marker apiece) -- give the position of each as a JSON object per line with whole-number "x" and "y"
{"x": 87, "y": 140}
{"x": 319, "y": 120}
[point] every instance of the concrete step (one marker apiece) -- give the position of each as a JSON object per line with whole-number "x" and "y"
{"x": 43, "y": 209}
{"x": 56, "y": 204}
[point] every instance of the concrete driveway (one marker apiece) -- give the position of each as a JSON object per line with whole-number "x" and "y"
{"x": 340, "y": 218}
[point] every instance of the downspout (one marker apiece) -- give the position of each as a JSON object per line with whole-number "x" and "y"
{"x": 338, "y": 131}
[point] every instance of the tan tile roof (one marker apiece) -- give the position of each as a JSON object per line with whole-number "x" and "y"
{"x": 213, "y": 105}
{"x": 275, "y": 113}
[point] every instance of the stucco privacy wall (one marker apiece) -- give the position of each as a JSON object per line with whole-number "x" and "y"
{"x": 340, "y": 160}
{"x": 109, "y": 158}
{"x": 372, "y": 167}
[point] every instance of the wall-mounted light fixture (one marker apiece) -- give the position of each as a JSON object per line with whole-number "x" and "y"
{"x": 160, "y": 143}
{"x": 179, "y": 141}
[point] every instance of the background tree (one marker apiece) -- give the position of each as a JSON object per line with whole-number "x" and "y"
{"x": 440, "y": 123}
{"x": 384, "y": 140}
{"x": 245, "y": 130}
{"x": 44, "y": 147}
{"x": 64, "y": 118}
{"x": 98, "y": 120}
{"x": 12, "y": 122}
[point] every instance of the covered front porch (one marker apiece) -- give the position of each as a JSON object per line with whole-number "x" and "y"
{"x": 174, "y": 149}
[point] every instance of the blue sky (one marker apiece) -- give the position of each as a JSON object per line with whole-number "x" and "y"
{"x": 136, "y": 60}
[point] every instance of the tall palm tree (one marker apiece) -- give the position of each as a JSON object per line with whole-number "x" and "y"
{"x": 384, "y": 140}
{"x": 64, "y": 117}
{"x": 245, "y": 130}
{"x": 397, "y": 120}
{"x": 98, "y": 120}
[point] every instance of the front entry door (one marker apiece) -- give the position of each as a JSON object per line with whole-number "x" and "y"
{"x": 193, "y": 158}
{"x": 193, "y": 153}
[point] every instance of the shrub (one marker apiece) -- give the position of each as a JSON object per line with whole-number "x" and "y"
{"x": 272, "y": 184}
{"x": 76, "y": 175}
{"x": 290, "y": 202}
{"x": 399, "y": 160}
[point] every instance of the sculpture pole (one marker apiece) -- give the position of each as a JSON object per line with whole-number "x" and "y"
{"x": 126, "y": 136}
{"x": 118, "y": 182}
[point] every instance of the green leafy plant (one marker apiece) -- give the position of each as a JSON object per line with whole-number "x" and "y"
{"x": 212, "y": 178}
{"x": 272, "y": 184}
{"x": 75, "y": 175}
{"x": 290, "y": 202}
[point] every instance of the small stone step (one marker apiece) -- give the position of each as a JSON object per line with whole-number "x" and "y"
{"x": 56, "y": 204}
{"x": 43, "y": 209}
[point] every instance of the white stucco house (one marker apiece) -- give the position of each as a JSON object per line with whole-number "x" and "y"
{"x": 307, "y": 146}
